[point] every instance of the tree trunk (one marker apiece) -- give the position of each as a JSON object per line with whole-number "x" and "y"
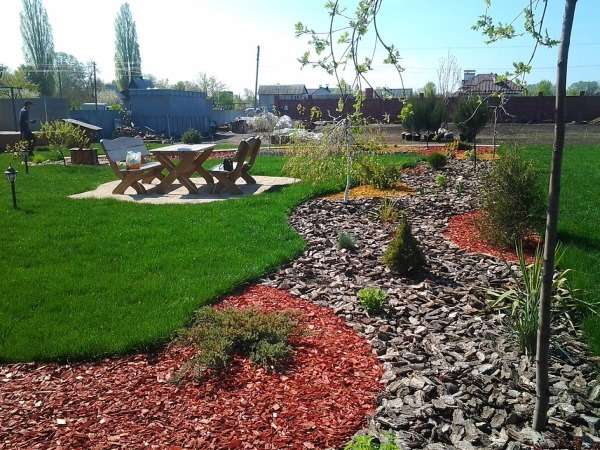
{"x": 540, "y": 418}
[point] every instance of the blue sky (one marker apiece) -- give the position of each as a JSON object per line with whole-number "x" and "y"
{"x": 180, "y": 38}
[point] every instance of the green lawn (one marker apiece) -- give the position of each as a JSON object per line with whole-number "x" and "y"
{"x": 579, "y": 226}
{"x": 87, "y": 278}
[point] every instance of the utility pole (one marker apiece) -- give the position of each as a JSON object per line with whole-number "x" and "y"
{"x": 256, "y": 79}
{"x": 60, "y": 93}
{"x": 95, "y": 86}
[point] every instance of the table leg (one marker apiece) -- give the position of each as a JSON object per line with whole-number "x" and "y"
{"x": 176, "y": 172}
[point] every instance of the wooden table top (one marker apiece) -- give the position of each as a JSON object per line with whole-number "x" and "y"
{"x": 184, "y": 148}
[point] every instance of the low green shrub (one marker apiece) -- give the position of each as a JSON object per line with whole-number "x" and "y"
{"x": 372, "y": 172}
{"x": 388, "y": 211}
{"x": 191, "y": 136}
{"x": 346, "y": 240}
{"x": 409, "y": 164}
{"x": 437, "y": 160}
{"x": 219, "y": 334}
{"x": 366, "y": 442}
{"x": 403, "y": 255}
{"x": 441, "y": 181}
{"x": 372, "y": 299}
{"x": 511, "y": 201}
{"x": 521, "y": 299}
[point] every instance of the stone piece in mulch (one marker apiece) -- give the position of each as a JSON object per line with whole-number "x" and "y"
{"x": 318, "y": 402}
{"x": 462, "y": 230}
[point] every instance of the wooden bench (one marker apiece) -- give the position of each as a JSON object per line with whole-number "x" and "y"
{"x": 116, "y": 152}
{"x": 244, "y": 159}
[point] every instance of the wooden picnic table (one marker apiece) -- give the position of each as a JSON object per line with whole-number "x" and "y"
{"x": 191, "y": 158}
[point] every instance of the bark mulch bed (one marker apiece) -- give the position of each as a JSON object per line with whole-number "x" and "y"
{"x": 462, "y": 230}
{"x": 402, "y": 190}
{"x": 319, "y": 402}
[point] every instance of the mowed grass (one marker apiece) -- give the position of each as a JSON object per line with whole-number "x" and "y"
{"x": 87, "y": 278}
{"x": 579, "y": 220}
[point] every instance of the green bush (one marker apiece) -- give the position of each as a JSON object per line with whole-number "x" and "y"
{"x": 366, "y": 442}
{"x": 372, "y": 299}
{"x": 191, "y": 136}
{"x": 511, "y": 201}
{"x": 403, "y": 255}
{"x": 346, "y": 240}
{"x": 219, "y": 334}
{"x": 441, "y": 180}
{"x": 470, "y": 117}
{"x": 437, "y": 160}
{"x": 369, "y": 171}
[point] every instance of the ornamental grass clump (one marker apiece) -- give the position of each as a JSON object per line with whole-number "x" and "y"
{"x": 372, "y": 299}
{"x": 511, "y": 201}
{"x": 346, "y": 241}
{"x": 521, "y": 300}
{"x": 388, "y": 211}
{"x": 437, "y": 160}
{"x": 220, "y": 334}
{"x": 403, "y": 254}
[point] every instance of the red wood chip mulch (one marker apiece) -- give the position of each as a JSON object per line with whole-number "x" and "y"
{"x": 462, "y": 230}
{"x": 128, "y": 402}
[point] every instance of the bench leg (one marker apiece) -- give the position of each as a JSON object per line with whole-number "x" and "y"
{"x": 225, "y": 183}
{"x": 127, "y": 182}
{"x": 248, "y": 178}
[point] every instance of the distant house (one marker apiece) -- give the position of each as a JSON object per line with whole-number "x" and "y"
{"x": 269, "y": 94}
{"x": 485, "y": 84}
{"x": 394, "y": 92}
{"x": 324, "y": 92}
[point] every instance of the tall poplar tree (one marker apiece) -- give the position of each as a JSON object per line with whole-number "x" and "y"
{"x": 128, "y": 63}
{"x": 38, "y": 45}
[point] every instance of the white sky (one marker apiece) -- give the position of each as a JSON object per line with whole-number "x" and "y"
{"x": 180, "y": 38}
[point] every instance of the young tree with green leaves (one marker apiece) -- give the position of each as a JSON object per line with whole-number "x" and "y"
{"x": 587, "y": 87}
{"x": 38, "y": 45}
{"x": 429, "y": 90}
{"x": 544, "y": 87}
{"x": 423, "y": 114}
{"x": 470, "y": 117}
{"x": 533, "y": 27}
{"x": 128, "y": 62}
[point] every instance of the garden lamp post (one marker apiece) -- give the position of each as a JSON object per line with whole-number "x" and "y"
{"x": 11, "y": 176}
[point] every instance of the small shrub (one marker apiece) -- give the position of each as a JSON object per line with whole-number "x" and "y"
{"x": 409, "y": 164}
{"x": 372, "y": 172}
{"x": 366, "y": 442}
{"x": 511, "y": 201}
{"x": 61, "y": 135}
{"x": 388, "y": 211}
{"x": 38, "y": 158}
{"x": 521, "y": 300}
{"x": 437, "y": 160}
{"x": 441, "y": 181}
{"x": 346, "y": 240}
{"x": 372, "y": 299}
{"x": 191, "y": 136}
{"x": 403, "y": 255}
{"x": 219, "y": 334}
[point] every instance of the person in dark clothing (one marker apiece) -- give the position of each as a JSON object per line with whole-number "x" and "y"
{"x": 24, "y": 125}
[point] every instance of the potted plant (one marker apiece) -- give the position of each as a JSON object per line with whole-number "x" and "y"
{"x": 80, "y": 151}
{"x": 61, "y": 135}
